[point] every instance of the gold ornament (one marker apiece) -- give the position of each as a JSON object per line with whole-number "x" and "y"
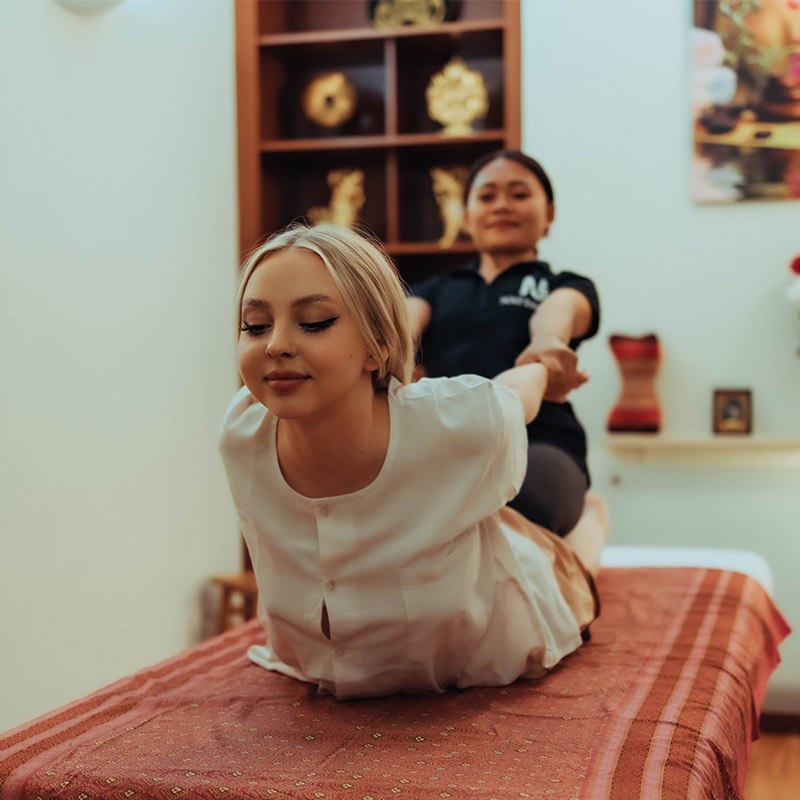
{"x": 457, "y": 96}
{"x": 347, "y": 198}
{"x": 329, "y": 100}
{"x": 448, "y": 189}
{"x": 390, "y": 13}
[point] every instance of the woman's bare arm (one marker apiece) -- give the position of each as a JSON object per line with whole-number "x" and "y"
{"x": 419, "y": 312}
{"x": 529, "y": 382}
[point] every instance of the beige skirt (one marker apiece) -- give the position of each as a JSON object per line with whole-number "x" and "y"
{"x": 574, "y": 580}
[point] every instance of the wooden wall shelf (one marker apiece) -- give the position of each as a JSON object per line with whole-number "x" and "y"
{"x": 284, "y": 157}
{"x": 409, "y": 140}
{"x": 711, "y": 447}
{"x": 419, "y": 248}
{"x": 351, "y": 35}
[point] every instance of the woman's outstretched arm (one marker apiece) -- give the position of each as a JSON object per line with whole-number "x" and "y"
{"x": 529, "y": 382}
{"x": 563, "y": 315}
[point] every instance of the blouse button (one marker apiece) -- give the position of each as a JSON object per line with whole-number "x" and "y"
{"x": 339, "y": 653}
{"x": 331, "y": 585}
{"x": 323, "y": 511}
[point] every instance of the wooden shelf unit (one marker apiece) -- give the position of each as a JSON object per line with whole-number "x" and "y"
{"x": 284, "y": 157}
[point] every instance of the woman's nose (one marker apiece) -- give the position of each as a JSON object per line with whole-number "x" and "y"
{"x": 499, "y": 201}
{"x": 280, "y": 343}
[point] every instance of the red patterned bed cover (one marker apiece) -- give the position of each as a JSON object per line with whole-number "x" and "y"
{"x": 661, "y": 703}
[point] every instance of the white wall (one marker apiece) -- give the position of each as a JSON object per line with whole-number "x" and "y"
{"x": 606, "y": 109}
{"x": 117, "y": 262}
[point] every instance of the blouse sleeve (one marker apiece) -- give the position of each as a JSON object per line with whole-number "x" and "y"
{"x": 468, "y": 444}
{"x": 427, "y": 289}
{"x": 571, "y": 280}
{"x": 236, "y": 441}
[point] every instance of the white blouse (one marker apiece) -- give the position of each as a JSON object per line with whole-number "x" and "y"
{"x": 424, "y": 588}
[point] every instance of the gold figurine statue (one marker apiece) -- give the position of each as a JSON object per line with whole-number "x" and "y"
{"x": 389, "y": 13}
{"x": 329, "y": 100}
{"x": 456, "y": 97}
{"x": 347, "y": 198}
{"x": 448, "y": 189}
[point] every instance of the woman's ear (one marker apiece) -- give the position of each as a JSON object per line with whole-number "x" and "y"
{"x": 466, "y": 223}
{"x": 372, "y": 363}
{"x": 551, "y": 216}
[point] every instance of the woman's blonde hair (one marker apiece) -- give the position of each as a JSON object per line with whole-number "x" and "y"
{"x": 369, "y": 285}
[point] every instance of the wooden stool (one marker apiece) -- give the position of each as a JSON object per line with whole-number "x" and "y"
{"x": 239, "y": 598}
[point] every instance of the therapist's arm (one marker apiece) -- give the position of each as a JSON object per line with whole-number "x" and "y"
{"x": 419, "y": 312}
{"x": 564, "y": 315}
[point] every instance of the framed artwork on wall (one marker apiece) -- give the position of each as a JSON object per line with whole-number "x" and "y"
{"x": 733, "y": 411}
{"x": 745, "y": 92}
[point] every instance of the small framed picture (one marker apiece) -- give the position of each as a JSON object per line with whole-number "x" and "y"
{"x": 733, "y": 411}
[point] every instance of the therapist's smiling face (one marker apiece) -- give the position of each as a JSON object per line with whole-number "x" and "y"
{"x": 507, "y": 209}
{"x": 300, "y": 352}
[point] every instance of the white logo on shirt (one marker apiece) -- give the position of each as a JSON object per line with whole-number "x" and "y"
{"x": 529, "y": 287}
{"x": 520, "y": 302}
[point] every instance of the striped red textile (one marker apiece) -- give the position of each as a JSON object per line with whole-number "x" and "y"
{"x": 661, "y": 703}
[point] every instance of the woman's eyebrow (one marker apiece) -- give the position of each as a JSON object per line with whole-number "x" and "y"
{"x": 257, "y": 302}
{"x": 311, "y": 298}
{"x": 511, "y": 184}
{"x": 254, "y": 302}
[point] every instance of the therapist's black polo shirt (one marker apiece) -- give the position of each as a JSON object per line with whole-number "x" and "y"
{"x": 480, "y": 329}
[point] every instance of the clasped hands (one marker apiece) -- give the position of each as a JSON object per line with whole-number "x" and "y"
{"x": 561, "y": 363}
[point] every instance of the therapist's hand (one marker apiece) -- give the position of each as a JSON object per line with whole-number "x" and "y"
{"x": 561, "y": 362}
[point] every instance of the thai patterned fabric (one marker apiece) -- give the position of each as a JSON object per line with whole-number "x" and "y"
{"x": 661, "y": 703}
{"x": 637, "y": 409}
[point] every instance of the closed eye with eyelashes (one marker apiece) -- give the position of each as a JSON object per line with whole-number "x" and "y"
{"x": 255, "y": 330}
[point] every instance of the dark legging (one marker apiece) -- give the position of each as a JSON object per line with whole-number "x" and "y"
{"x": 553, "y": 491}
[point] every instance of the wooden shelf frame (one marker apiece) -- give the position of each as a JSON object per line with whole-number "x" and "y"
{"x": 398, "y": 140}
{"x": 488, "y": 32}
{"x": 355, "y": 35}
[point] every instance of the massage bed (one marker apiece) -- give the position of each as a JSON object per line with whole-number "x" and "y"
{"x": 662, "y": 702}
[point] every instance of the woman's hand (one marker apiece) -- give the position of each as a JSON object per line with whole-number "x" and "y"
{"x": 561, "y": 363}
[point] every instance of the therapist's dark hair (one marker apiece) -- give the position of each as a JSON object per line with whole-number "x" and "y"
{"x": 531, "y": 164}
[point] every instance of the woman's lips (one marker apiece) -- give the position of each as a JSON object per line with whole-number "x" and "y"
{"x": 502, "y": 225}
{"x": 284, "y": 381}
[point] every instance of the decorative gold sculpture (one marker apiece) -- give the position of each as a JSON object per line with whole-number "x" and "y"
{"x": 347, "y": 198}
{"x": 456, "y": 97}
{"x": 389, "y": 13}
{"x": 448, "y": 189}
{"x": 329, "y": 100}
